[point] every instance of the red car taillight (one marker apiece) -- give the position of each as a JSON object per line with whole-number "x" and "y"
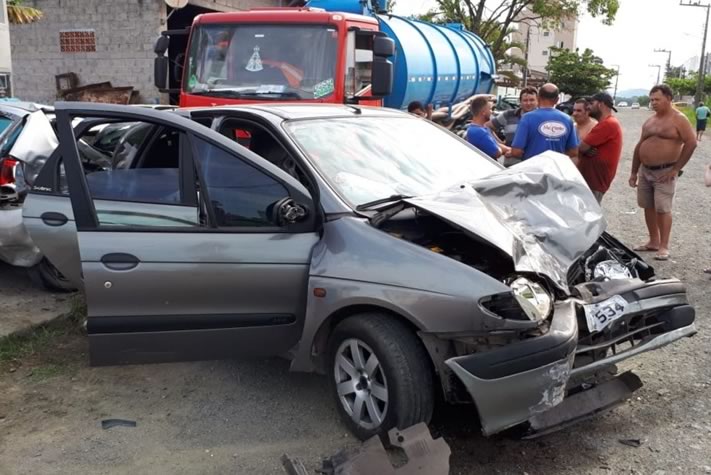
{"x": 7, "y": 171}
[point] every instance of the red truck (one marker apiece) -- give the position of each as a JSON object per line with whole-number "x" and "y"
{"x": 279, "y": 54}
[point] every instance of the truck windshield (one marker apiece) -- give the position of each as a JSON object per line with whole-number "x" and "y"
{"x": 368, "y": 158}
{"x": 262, "y": 61}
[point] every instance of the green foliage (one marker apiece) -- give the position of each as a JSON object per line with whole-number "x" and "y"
{"x": 19, "y": 14}
{"x": 643, "y": 101}
{"x": 578, "y": 74}
{"x": 494, "y": 23}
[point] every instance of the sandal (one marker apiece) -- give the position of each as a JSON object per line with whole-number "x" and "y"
{"x": 645, "y": 247}
{"x": 707, "y": 270}
{"x": 662, "y": 256}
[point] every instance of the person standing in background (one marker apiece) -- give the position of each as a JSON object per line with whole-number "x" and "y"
{"x": 702, "y": 115}
{"x": 581, "y": 116}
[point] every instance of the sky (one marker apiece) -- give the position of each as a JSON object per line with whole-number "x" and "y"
{"x": 640, "y": 27}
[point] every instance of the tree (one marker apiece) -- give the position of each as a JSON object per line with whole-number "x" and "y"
{"x": 675, "y": 72}
{"x": 643, "y": 101}
{"x": 19, "y": 14}
{"x": 578, "y": 74}
{"x": 494, "y": 25}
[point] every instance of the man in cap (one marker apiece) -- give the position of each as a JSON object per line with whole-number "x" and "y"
{"x": 601, "y": 148}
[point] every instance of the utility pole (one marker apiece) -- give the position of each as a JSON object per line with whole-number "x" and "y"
{"x": 528, "y": 43}
{"x": 668, "y": 60}
{"x": 617, "y": 77}
{"x": 702, "y": 61}
{"x": 659, "y": 70}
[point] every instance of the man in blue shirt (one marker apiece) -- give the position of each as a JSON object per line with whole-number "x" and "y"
{"x": 545, "y": 128}
{"x": 478, "y": 134}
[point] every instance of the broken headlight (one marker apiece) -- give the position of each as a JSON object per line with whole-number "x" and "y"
{"x": 611, "y": 270}
{"x": 534, "y": 299}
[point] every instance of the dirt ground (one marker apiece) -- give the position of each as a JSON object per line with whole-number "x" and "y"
{"x": 241, "y": 416}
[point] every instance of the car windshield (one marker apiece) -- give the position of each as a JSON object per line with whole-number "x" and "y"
{"x": 247, "y": 61}
{"x": 370, "y": 158}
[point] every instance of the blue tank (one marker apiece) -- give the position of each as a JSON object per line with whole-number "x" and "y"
{"x": 435, "y": 64}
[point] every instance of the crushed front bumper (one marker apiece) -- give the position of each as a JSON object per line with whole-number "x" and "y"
{"x": 16, "y": 246}
{"x": 526, "y": 382}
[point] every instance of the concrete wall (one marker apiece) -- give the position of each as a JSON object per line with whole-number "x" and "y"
{"x": 125, "y": 32}
{"x": 5, "y": 62}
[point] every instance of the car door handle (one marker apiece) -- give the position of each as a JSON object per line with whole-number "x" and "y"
{"x": 51, "y": 218}
{"x": 120, "y": 261}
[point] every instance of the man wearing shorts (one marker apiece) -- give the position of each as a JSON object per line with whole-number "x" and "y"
{"x": 702, "y": 115}
{"x": 666, "y": 145}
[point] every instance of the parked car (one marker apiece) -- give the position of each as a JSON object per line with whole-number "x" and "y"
{"x": 635, "y": 105}
{"x": 365, "y": 244}
{"x": 566, "y": 106}
{"x": 622, "y": 104}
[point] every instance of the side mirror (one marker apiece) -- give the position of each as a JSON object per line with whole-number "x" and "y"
{"x": 383, "y": 46}
{"x": 160, "y": 71}
{"x": 161, "y": 45}
{"x": 382, "y": 80}
{"x": 287, "y": 211}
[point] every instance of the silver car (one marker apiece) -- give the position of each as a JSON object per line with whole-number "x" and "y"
{"x": 365, "y": 244}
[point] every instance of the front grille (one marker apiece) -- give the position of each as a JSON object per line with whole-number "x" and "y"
{"x": 622, "y": 336}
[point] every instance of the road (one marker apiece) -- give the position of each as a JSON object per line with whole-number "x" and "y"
{"x": 241, "y": 416}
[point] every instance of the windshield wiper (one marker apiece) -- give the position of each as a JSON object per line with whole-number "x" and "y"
{"x": 370, "y": 204}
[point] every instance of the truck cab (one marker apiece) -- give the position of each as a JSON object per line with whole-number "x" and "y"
{"x": 280, "y": 54}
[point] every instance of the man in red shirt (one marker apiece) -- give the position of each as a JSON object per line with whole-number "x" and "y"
{"x": 600, "y": 150}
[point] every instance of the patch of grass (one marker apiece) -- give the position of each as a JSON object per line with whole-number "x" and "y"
{"x": 690, "y": 114}
{"x": 40, "y": 338}
{"x": 40, "y": 373}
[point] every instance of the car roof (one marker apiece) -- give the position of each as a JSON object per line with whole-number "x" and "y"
{"x": 304, "y": 111}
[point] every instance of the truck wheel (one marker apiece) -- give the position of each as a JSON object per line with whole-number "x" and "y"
{"x": 47, "y": 276}
{"x": 380, "y": 375}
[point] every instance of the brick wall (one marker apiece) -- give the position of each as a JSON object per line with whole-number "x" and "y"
{"x": 125, "y": 31}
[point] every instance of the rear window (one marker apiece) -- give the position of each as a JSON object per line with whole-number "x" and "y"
{"x": 4, "y": 123}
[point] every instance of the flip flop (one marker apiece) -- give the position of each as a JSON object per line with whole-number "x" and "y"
{"x": 644, "y": 247}
{"x": 707, "y": 271}
{"x": 662, "y": 257}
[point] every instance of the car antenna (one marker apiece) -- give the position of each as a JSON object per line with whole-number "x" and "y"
{"x": 356, "y": 110}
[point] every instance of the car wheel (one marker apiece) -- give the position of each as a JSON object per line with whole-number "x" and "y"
{"x": 380, "y": 375}
{"x": 49, "y": 277}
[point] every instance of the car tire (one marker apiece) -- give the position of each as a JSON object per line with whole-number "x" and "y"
{"x": 44, "y": 274}
{"x": 398, "y": 385}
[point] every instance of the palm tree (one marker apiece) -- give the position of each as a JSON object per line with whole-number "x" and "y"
{"x": 19, "y": 14}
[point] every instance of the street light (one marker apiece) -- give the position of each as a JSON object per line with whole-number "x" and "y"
{"x": 659, "y": 69}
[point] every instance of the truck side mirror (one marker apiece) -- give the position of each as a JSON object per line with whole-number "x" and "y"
{"x": 160, "y": 71}
{"x": 383, "y": 46}
{"x": 382, "y": 81}
{"x": 161, "y": 45}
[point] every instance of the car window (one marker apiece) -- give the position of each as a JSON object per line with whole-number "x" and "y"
{"x": 4, "y": 123}
{"x": 142, "y": 189}
{"x": 126, "y": 150}
{"x": 240, "y": 194}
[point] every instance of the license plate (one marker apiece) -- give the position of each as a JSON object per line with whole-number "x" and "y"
{"x": 600, "y": 315}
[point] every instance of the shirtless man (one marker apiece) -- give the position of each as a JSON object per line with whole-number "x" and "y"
{"x": 666, "y": 145}
{"x": 581, "y": 115}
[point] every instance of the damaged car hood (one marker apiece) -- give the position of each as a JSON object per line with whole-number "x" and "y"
{"x": 540, "y": 212}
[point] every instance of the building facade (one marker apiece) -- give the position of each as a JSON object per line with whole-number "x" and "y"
{"x": 5, "y": 58}
{"x": 537, "y": 43}
{"x": 99, "y": 41}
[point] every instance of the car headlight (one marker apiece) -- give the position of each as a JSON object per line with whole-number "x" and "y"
{"x": 534, "y": 299}
{"x": 611, "y": 270}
